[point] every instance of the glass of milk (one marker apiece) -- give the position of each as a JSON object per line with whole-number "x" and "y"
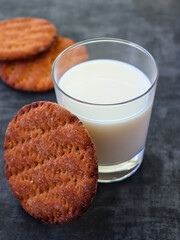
{"x": 110, "y": 85}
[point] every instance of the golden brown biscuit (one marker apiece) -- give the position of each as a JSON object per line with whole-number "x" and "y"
{"x": 50, "y": 162}
{"x": 23, "y": 37}
{"x": 33, "y": 74}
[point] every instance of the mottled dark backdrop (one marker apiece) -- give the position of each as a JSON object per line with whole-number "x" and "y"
{"x": 147, "y": 205}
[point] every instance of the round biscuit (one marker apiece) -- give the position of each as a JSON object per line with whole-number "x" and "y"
{"x": 24, "y": 37}
{"x": 50, "y": 162}
{"x": 33, "y": 74}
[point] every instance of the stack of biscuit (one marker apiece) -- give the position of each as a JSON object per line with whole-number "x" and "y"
{"x": 28, "y": 48}
{"x": 50, "y": 158}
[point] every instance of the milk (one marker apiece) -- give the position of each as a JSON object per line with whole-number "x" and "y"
{"x": 104, "y": 82}
{"x": 99, "y": 92}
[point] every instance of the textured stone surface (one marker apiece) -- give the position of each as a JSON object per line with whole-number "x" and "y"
{"x": 147, "y": 205}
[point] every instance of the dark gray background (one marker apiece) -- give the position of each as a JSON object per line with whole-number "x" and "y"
{"x": 147, "y": 205}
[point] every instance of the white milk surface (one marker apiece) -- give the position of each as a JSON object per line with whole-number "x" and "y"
{"x": 104, "y": 81}
{"x": 118, "y": 131}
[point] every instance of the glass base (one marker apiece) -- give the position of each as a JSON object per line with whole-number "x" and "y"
{"x": 119, "y": 172}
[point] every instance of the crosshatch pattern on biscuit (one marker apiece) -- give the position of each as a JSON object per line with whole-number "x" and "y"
{"x": 21, "y": 38}
{"x": 51, "y": 162}
{"x": 33, "y": 74}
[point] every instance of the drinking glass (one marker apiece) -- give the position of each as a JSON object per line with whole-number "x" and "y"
{"x": 119, "y": 130}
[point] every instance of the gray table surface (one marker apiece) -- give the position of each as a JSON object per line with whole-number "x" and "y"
{"x": 147, "y": 205}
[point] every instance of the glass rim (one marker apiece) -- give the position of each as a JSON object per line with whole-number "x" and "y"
{"x": 106, "y": 39}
